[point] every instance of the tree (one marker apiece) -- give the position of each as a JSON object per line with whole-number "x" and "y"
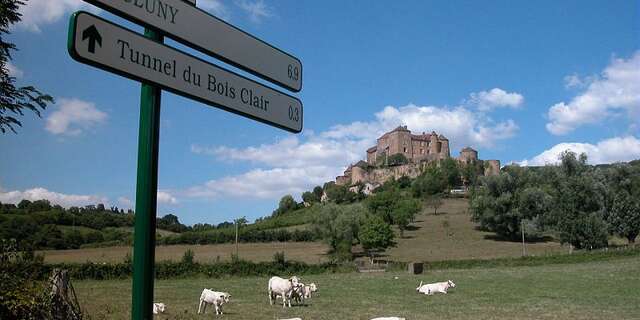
{"x": 375, "y": 235}
{"x": 383, "y": 204}
{"x": 24, "y": 204}
{"x": 318, "y": 192}
{"x": 451, "y": 172}
{"x": 40, "y": 205}
{"x": 404, "y": 213}
{"x": 624, "y": 216}
{"x": 14, "y": 99}
{"x": 470, "y": 172}
{"x": 338, "y": 226}
{"x": 434, "y": 201}
{"x": 73, "y": 239}
{"x": 170, "y": 222}
{"x": 579, "y": 206}
{"x": 494, "y": 204}
{"x": 310, "y": 197}
{"x": 286, "y": 204}
{"x": 431, "y": 181}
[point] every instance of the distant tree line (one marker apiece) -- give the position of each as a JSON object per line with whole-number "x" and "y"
{"x": 579, "y": 204}
{"x": 40, "y": 225}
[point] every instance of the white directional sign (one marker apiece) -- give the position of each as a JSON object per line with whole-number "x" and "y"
{"x": 195, "y": 28}
{"x": 95, "y": 41}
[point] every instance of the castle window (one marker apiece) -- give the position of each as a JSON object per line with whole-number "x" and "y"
{"x": 405, "y": 149}
{"x": 421, "y": 151}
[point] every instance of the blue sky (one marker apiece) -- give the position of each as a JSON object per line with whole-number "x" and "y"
{"x": 517, "y": 80}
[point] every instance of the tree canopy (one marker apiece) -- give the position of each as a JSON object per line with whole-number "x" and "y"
{"x": 14, "y": 99}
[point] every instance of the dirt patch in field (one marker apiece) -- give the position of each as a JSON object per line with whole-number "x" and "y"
{"x": 310, "y": 252}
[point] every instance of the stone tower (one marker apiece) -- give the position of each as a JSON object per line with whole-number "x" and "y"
{"x": 468, "y": 155}
{"x": 491, "y": 167}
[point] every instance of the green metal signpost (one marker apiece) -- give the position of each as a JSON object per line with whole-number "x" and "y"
{"x": 97, "y": 42}
{"x": 146, "y": 197}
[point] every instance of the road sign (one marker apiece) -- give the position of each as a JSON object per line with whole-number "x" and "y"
{"x": 196, "y": 28}
{"x": 97, "y": 42}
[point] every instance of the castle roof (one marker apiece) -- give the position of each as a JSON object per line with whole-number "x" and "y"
{"x": 467, "y": 149}
{"x": 421, "y": 137}
{"x": 397, "y": 129}
{"x": 361, "y": 164}
{"x": 372, "y": 149}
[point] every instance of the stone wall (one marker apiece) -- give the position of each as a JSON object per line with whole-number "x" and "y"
{"x": 491, "y": 167}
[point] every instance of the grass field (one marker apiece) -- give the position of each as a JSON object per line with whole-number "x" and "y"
{"x": 450, "y": 235}
{"x": 596, "y": 290}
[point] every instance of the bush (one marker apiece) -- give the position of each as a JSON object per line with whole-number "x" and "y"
{"x": 397, "y": 159}
{"x": 188, "y": 257}
{"x": 278, "y": 258}
{"x": 22, "y": 296}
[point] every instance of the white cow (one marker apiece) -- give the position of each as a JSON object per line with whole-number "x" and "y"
{"x": 159, "y": 308}
{"x": 216, "y": 298}
{"x": 283, "y": 287}
{"x": 432, "y": 288}
{"x": 308, "y": 289}
{"x": 297, "y": 294}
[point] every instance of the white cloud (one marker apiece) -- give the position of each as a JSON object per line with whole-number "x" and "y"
{"x": 37, "y": 13}
{"x": 126, "y": 202}
{"x": 166, "y": 197}
{"x": 265, "y": 183}
{"x": 296, "y": 164}
{"x": 459, "y": 124}
{"x": 73, "y": 116}
{"x": 291, "y": 153}
{"x": 606, "y": 151}
{"x": 65, "y": 200}
{"x": 215, "y": 7}
{"x": 615, "y": 92}
{"x": 14, "y": 71}
{"x": 257, "y": 10}
{"x": 494, "y": 98}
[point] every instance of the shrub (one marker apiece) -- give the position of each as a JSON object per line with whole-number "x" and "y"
{"x": 188, "y": 257}
{"x": 397, "y": 159}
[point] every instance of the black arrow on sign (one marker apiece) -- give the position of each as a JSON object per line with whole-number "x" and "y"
{"x": 94, "y": 36}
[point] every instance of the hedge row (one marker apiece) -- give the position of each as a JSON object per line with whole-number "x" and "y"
{"x": 169, "y": 270}
{"x": 228, "y": 236}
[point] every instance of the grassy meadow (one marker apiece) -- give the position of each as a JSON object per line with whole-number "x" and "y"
{"x": 449, "y": 235}
{"x": 594, "y": 290}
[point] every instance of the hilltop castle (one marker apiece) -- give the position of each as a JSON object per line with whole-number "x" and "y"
{"x": 418, "y": 149}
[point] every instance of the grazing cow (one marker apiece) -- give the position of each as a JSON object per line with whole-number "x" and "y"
{"x": 388, "y": 318}
{"x": 283, "y": 287}
{"x": 159, "y": 308}
{"x": 217, "y": 299}
{"x": 432, "y": 288}
{"x": 291, "y": 319}
{"x": 308, "y": 289}
{"x": 297, "y": 295}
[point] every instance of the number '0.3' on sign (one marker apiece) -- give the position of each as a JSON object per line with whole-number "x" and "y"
{"x": 97, "y": 42}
